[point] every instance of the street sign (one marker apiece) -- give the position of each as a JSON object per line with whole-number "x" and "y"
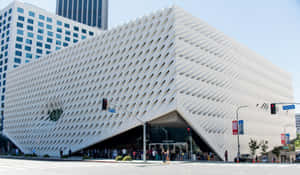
{"x": 241, "y": 127}
{"x": 234, "y": 127}
{"x": 288, "y": 107}
{"x": 112, "y": 110}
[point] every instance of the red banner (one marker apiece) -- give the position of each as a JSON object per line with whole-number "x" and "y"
{"x": 234, "y": 127}
{"x": 283, "y": 139}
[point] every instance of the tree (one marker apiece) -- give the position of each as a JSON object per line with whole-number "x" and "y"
{"x": 264, "y": 146}
{"x": 276, "y": 152}
{"x": 253, "y": 145}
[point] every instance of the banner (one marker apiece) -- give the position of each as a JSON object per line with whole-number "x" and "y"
{"x": 283, "y": 139}
{"x": 234, "y": 127}
{"x": 241, "y": 127}
{"x": 287, "y": 138}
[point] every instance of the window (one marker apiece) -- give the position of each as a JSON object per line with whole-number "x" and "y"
{"x": 65, "y": 44}
{"x": 91, "y": 33}
{"x": 57, "y": 48}
{"x": 21, "y": 18}
{"x": 30, "y": 28}
{"x": 59, "y": 30}
{"x": 30, "y": 21}
{"x": 19, "y": 25}
{"x": 67, "y": 25}
{"x": 27, "y": 61}
{"x": 83, "y": 37}
{"x": 40, "y": 24}
{"x": 18, "y": 53}
{"x": 83, "y": 30}
{"x": 58, "y": 42}
{"x": 75, "y": 35}
{"x": 49, "y": 27}
{"x": 68, "y": 32}
{"x": 20, "y": 39}
{"x": 29, "y": 55}
{"x": 29, "y": 41}
{"x": 49, "y": 40}
{"x": 47, "y": 46}
{"x": 58, "y": 36}
{"x": 59, "y": 23}
{"x": 75, "y": 40}
{"x": 20, "y": 10}
{"x": 18, "y": 60}
{"x": 39, "y": 44}
{"x": 39, "y": 37}
{"x": 49, "y": 19}
{"x": 39, "y": 51}
{"x": 10, "y": 10}
{"x": 28, "y": 48}
{"x": 67, "y": 38}
{"x": 18, "y": 46}
{"x": 31, "y": 13}
{"x": 41, "y": 17}
{"x": 30, "y": 35}
{"x": 40, "y": 31}
{"x": 20, "y": 32}
{"x": 50, "y": 33}
{"x": 76, "y": 28}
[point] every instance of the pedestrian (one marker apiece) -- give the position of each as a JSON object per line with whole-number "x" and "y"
{"x": 153, "y": 154}
{"x": 61, "y": 153}
{"x": 70, "y": 152}
{"x": 226, "y": 156}
{"x": 124, "y": 151}
{"x": 163, "y": 156}
{"x": 256, "y": 159}
{"x": 133, "y": 155}
{"x": 17, "y": 151}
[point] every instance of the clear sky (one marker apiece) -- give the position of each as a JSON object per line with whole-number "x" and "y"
{"x": 271, "y": 28}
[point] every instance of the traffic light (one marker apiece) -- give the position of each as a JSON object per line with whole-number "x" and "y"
{"x": 189, "y": 131}
{"x": 273, "y": 108}
{"x": 104, "y": 104}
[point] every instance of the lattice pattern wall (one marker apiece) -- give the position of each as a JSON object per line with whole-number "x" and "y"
{"x": 166, "y": 61}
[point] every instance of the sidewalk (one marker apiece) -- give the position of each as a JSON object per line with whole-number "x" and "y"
{"x": 42, "y": 158}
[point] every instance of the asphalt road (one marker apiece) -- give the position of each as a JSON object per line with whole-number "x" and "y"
{"x": 28, "y": 167}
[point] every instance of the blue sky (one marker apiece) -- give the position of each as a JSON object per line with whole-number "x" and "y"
{"x": 271, "y": 28}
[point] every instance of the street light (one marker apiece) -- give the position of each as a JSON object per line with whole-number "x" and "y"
{"x": 238, "y": 133}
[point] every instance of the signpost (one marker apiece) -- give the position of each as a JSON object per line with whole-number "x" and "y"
{"x": 287, "y": 138}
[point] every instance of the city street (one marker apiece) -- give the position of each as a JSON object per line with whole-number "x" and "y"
{"x": 27, "y": 167}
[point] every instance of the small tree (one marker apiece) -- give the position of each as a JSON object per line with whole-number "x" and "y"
{"x": 253, "y": 145}
{"x": 264, "y": 146}
{"x": 276, "y": 152}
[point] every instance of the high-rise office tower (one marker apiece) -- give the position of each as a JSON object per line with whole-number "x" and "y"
{"x": 28, "y": 32}
{"x": 90, "y": 12}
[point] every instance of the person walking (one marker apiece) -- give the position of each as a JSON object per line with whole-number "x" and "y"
{"x": 226, "y": 156}
{"x": 164, "y": 156}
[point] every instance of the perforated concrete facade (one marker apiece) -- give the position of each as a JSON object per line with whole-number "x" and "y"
{"x": 163, "y": 62}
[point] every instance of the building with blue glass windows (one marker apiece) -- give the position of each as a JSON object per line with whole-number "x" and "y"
{"x": 90, "y": 12}
{"x": 28, "y": 32}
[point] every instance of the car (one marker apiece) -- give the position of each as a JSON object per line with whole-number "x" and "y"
{"x": 264, "y": 159}
{"x": 244, "y": 158}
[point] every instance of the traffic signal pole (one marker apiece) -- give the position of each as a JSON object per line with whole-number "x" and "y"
{"x": 238, "y": 133}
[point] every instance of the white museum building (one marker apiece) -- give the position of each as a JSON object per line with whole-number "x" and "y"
{"x": 168, "y": 68}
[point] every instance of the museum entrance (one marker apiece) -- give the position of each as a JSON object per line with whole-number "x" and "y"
{"x": 169, "y": 134}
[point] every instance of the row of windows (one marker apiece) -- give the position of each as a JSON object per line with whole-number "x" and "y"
{"x": 5, "y": 14}
{"x": 42, "y": 17}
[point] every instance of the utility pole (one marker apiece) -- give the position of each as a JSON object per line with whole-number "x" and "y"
{"x": 238, "y": 133}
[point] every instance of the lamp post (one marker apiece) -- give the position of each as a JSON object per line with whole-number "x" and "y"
{"x": 238, "y": 133}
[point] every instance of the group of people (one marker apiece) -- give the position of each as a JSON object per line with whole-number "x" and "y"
{"x": 154, "y": 153}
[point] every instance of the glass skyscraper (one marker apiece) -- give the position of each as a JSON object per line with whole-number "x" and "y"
{"x": 91, "y": 12}
{"x": 28, "y": 33}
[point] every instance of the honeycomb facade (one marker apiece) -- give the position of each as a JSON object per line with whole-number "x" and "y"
{"x": 163, "y": 62}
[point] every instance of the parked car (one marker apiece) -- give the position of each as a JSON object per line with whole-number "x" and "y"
{"x": 264, "y": 159}
{"x": 244, "y": 158}
{"x": 297, "y": 158}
